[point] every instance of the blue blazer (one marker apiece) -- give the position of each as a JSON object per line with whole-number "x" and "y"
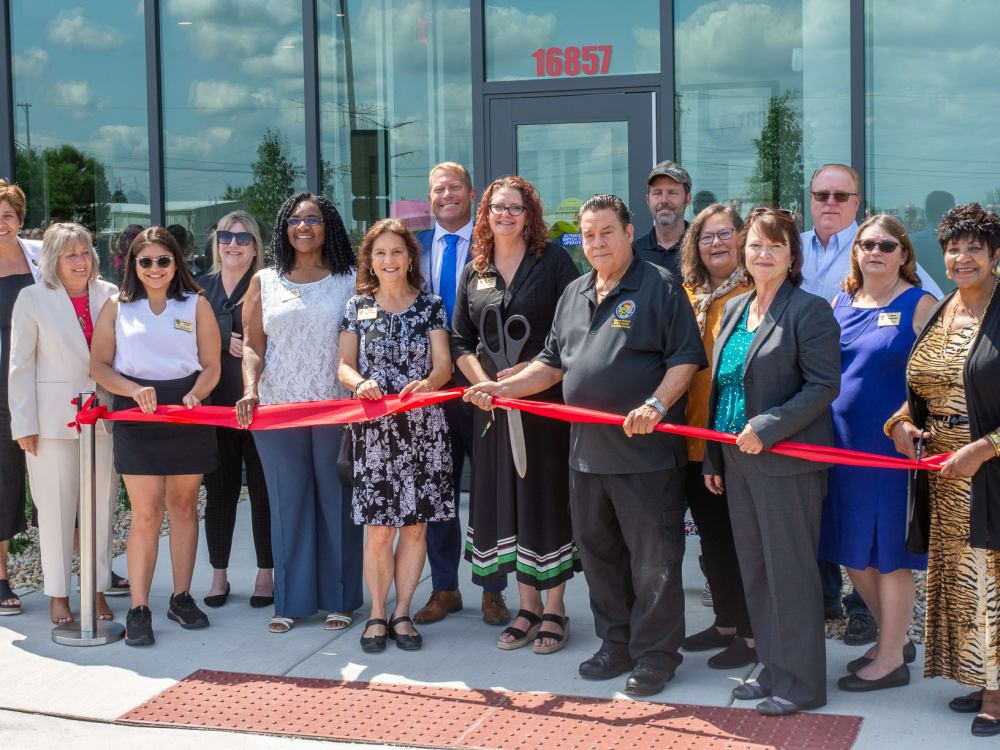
{"x": 426, "y": 239}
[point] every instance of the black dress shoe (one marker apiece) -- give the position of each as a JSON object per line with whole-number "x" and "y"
{"x": 405, "y": 641}
{"x": 861, "y": 629}
{"x": 707, "y": 639}
{"x": 853, "y": 683}
{"x": 738, "y": 654}
{"x": 967, "y": 704}
{"x": 983, "y": 727}
{"x": 604, "y": 665}
{"x": 771, "y": 707}
{"x": 217, "y": 600}
{"x": 749, "y": 691}
{"x": 833, "y": 614}
{"x": 375, "y": 643}
{"x": 909, "y": 656}
{"x": 646, "y": 680}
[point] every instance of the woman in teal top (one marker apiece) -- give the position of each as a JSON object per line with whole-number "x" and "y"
{"x": 731, "y": 407}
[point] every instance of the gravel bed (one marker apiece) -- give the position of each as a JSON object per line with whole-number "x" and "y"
{"x": 837, "y": 628}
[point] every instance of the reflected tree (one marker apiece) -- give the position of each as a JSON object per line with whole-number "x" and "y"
{"x": 274, "y": 176}
{"x": 778, "y": 176}
{"x": 64, "y": 184}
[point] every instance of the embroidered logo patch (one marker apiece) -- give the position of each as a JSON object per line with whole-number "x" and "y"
{"x": 625, "y": 310}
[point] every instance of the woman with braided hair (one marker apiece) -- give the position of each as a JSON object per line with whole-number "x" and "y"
{"x": 290, "y": 323}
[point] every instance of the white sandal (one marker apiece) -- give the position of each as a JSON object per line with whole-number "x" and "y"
{"x": 279, "y": 624}
{"x": 337, "y": 621}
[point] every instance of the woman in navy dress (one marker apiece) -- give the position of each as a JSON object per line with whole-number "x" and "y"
{"x": 864, "y": 514}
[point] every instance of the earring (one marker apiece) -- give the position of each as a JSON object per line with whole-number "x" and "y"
{"x": 947, "y": 274}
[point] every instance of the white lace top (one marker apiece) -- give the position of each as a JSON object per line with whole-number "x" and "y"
{"x": 301, "y": 322}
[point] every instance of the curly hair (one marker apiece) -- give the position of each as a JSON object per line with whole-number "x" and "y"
{"x": 777, "y": 225}
{"x": 970, "y": 221}
{"x": 180, "y": 286}
{"x": 337, "y": 250}
{"x": 536, "y": 234}
{"x": 908, "y": 271}
{"x": 692, "y": 267}
{"x": 367, "y": 282}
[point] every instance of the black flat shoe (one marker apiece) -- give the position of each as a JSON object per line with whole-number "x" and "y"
{"x": 258, "y": 602}
{"x": 771, "y": 707}
{"x": 967, "y": 704}
{"x": 404, "y": 641}
{"x": 749, "y": 691}
{"x": 603, "y": 666}
{"x": 217, "y": 600}
{"x": 707, "y": 639}
{"x": 853, "y": 683}
{"x": 909, "y": 656}
{"x": 737, "y": 654}
{"x": 983, "y": 727}
{"x": 646, "y": 680}
{"x": 376, "y": 643}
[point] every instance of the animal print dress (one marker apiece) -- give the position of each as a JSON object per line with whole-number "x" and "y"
{"x": 963, "y": 602}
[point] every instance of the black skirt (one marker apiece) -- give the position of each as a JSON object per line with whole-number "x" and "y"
{"x": 159, "y": 448}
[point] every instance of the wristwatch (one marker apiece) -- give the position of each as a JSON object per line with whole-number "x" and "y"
{"x": 651, "y": 401}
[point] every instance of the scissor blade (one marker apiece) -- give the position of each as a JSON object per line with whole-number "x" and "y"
{"x": 516, "y": 431}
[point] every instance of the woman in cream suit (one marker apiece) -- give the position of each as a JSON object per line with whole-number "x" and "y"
{"x": 49, "y": 366}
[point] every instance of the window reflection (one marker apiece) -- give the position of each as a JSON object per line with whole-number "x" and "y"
{"x": 762, "y": 95}
{"x": 395, "y": 99}
{"x": 80, "y": 138}
{"x": 233, "y": 111}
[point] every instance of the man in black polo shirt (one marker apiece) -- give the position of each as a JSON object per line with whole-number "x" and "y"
{"x": 667, "y": 195}
{"x": 624, "y": 340}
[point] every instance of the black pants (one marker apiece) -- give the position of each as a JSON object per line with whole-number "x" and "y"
{"x": 722, "y": 567}
{"x": 222, "y": 493}
{"x": 629, "y": 529}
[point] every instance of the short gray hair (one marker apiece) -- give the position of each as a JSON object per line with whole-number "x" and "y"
{"x": 239, "y": 216}
{"x": 54, "y": 242}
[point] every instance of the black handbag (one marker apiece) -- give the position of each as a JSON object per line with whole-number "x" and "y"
{"x": 345, "y": 458}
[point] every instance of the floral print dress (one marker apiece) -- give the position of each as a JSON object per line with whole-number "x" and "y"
{"x": 402, "y": 462}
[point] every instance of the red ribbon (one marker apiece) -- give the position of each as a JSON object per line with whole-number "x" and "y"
{"x": 344, "y": 411}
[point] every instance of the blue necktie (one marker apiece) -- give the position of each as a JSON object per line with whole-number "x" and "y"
{"x": 446, "y": 287}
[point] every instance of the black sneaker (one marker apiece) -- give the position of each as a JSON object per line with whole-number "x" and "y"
{"x": 861, "y": 629}
{"x": 184, "y": 611}
{"x": 139, "y": 627}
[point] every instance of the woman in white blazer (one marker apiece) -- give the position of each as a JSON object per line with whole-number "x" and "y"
{"x": 49, "y": 366}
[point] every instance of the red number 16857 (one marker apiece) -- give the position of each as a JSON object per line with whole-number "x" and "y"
{"x": 573, "y": 60}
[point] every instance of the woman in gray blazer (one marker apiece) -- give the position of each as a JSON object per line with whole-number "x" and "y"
{"x": 776, "y": 371}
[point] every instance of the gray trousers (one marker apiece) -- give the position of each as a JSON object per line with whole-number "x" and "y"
{"x": 776, "y": 523}
{"x": 629, "y": 529}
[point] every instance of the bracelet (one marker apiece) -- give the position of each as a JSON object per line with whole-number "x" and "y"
{"x": 994, "y": 438}
{"x": 893, "y": 421}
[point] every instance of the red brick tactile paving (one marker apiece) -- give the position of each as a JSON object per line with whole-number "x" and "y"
{"x": 441, "y": 717}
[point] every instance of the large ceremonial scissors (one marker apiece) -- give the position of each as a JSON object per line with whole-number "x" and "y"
{"x": 505, "y": 356}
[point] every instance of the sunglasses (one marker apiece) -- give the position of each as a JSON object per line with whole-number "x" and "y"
{"x": 499, "y": 208}
{"x": 709, "y": 237}
{"x": 765, "y": 209}
{"x": 309, "y": 221}
{"x": 242, "y": 238}
{"x": 822, "y": 196}
{"x": 884, "y": 246}
{"x": 162, "y": 261}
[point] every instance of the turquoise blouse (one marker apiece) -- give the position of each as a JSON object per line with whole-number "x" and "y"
{"x": 731, "y": 407}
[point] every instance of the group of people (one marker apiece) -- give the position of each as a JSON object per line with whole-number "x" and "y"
{"x": 833, "y": 337}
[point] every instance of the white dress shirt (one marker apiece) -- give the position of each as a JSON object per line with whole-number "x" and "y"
{"x": 437, "y": 254}
{"x": 823, "y": 269}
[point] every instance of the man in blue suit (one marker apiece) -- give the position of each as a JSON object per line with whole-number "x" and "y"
{"x": 445, "y": 251}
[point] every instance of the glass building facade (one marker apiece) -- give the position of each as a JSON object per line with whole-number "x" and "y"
{"x": 123, "y": 112}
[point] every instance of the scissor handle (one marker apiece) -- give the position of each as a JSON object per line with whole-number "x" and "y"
{"x": 515, "y": 345}
{"x": 498, "y": 355}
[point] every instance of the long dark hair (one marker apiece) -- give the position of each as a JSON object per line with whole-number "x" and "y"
{"x": 337, "y": 250}
{"x": 366, "y": 281}
{"x": 181, "y": 285}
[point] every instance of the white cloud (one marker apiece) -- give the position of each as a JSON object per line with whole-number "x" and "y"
{"x": 75, "y": 95}
{"x": 71, "y": 29}
{"x": 118, "y": 141}
{"x": 201, "y": 145}
{"x": 33, "y": 62}
{"x": 235, "y": 12}
{"x": 284, "y": 59}
{"x": 212, "y": 96}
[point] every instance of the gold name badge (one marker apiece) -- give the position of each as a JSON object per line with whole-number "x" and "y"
{"x": 293, "y": 294}
{"x": 367, "y": 313}
{"x": 888, "y": 319}
{"x": 183, "y": 325}
{"x": 486, "y": 282}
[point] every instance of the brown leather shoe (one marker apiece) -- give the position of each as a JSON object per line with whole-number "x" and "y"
{"x": 495, "y": 610}
{"x": 439, "y": 606}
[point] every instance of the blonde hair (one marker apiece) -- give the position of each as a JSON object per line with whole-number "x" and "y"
{"x": 54, "y": 242}
{"x": 238, "y": 216}
{"x": 844, "y": 168}
{"x": 451, "y": 166}
{"x": 908, "y": 271}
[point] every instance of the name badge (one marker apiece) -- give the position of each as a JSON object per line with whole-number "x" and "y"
{"x": 183, "y": 325}
{"x": 486, "y": 282}
{"x": 292, "y": 294}
{"x": 888, "y": 319}
{"x": 367, "y": 313}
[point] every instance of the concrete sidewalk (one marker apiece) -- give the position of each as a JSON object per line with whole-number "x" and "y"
{"x": 80, "y": 689}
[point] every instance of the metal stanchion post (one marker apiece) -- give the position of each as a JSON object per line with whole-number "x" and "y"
{"x": 88, "y": 630}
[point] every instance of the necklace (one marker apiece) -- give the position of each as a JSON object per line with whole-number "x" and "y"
{"x": 85, "y": 316}
{"x": 977, "y": 319}
{"x": 874, "y": 316}
{"x": 608, "y": 288}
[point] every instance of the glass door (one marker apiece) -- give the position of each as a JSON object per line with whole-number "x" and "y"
{"x": 571, "y": 147}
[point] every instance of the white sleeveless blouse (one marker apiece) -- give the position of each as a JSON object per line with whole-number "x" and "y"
{"x": 157, "y": 347}
{"x": 301, "y": 322}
